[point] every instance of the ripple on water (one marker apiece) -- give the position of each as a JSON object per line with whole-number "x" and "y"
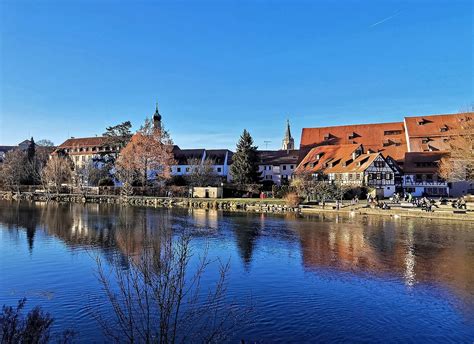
{"x": 316, "y": 279}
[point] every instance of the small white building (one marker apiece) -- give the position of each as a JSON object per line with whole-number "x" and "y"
{"x": 186, "y": 159}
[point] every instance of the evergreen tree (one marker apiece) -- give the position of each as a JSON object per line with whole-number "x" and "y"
{"x": 31, "y": 149}
{"x": 244, "y": 167}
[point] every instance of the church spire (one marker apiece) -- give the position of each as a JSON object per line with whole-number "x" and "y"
{"x": 288, "y": 141}
{"x": 157, "y": 117}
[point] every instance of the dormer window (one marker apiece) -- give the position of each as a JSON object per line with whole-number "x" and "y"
{"x": 352, "y": 136}
{"x": 319, "y": 156}
{"x": 421, "y": 121}
{"x": 444, "y": 129}
{"x": 392, "y": 132}
{"x": 347, "y": 162}
{"x": 425, "y": 140}
{"x": 327, "y": 136}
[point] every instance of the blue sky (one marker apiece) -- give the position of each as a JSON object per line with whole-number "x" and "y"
{"x": 71, "y": 68}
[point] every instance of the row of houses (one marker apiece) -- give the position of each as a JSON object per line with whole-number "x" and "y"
{"x": 389, "y": 157}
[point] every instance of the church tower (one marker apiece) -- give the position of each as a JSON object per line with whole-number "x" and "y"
{"x": 156, "y": 118}
{"x": 288, "y": 141}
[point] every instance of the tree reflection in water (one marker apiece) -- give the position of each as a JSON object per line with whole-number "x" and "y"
{"x": 411, "y": 250}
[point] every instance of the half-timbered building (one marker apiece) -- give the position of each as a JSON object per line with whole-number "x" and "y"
{"x": 350, "y": 165}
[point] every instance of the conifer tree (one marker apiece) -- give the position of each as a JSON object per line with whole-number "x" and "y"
{"x": 31, "y": 149}
{"x": 244, "y": 167}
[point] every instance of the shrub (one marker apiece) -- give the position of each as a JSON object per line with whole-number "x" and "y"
{"x": 292, "y": 199}
{"x": 106, "y": 182}
{"x": 280, "y": 191}
{"x": 34, "y": 328}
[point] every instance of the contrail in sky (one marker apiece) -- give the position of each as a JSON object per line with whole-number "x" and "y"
{"x": 385, "y": 19}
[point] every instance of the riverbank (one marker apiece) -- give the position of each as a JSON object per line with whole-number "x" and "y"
{"x": 243, "y": 204}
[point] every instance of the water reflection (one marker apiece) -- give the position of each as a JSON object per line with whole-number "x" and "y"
{"x": 412, "y": 251}
{"x": 415, "y": 250}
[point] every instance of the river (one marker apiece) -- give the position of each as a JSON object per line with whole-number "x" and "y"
{"x": 318, "y": 278}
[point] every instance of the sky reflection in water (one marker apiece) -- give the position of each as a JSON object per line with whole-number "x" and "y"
{"x": 317, "y": 278}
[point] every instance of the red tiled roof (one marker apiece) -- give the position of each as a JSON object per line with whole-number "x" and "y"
{"x": 387, "y": 138}
{"x": 319, "y": 157}
{"x": 432, "y": 133}
{"x": 422, "y": 162}
{"x": 83, "y": 142}
{"x": 359, "y": 164}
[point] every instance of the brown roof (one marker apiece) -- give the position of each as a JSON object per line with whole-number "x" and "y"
{"x": 278, "y": 157}
{"x": 83, "y": 142}
{"x": 432, "y": 133}
{"x": 184, "y": 156}
{"x": 422, "y": 162}
{"x": 387, "y": 138}
{"x": 218, "y": 156}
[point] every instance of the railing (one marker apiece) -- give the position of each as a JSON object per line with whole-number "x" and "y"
{"x": 424, "y": 183}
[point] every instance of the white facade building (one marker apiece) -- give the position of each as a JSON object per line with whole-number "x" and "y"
{"x": 277, "y": 166}
{"x": 187, "y": 158}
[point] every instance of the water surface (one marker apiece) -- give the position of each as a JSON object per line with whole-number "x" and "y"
{"x": 320, "y": 278}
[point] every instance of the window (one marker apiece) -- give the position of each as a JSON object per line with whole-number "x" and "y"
{"x": 370, "y": 176}
{"x": 83, "y": 158}
{"x": 388, "y": 176}
{"x": 357, "y": 176}
{"x": 219, "y": 169}
{"x": 178, "y": 169}
{"x": 292, "y": 166}
{"x": 187, "y": 169}
{"x": 350, "y": 176}
{"x": 392, "y": 132}
{"x": 284, "y": 167}
{"x": 379, "y": 176}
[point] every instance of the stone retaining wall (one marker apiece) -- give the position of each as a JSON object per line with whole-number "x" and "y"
{"x": 218, "y": 204}
{"x": 249, "y": 205}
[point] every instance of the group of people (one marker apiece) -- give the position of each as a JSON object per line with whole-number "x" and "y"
{"x": 460, "y": 203}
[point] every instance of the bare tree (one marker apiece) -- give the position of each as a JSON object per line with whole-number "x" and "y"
{"x": 12, "y": 171}
{"x": 148, "y": 156}
{"x": 303, "y": 184}
{"x": 58, "y": 171}
{"x": 202, "y": 173}
{"x": 159, "y": 297}
{"x": 45, "y": 143}
{"x": 458, "y": 165}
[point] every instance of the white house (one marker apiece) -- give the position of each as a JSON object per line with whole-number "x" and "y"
{"x": 277, "y": 166}
{"x": 421, "y": 174}
{"x": 186, "y": 159}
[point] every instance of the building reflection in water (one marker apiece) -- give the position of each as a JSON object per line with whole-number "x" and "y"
{"x": 410, "y": 250}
